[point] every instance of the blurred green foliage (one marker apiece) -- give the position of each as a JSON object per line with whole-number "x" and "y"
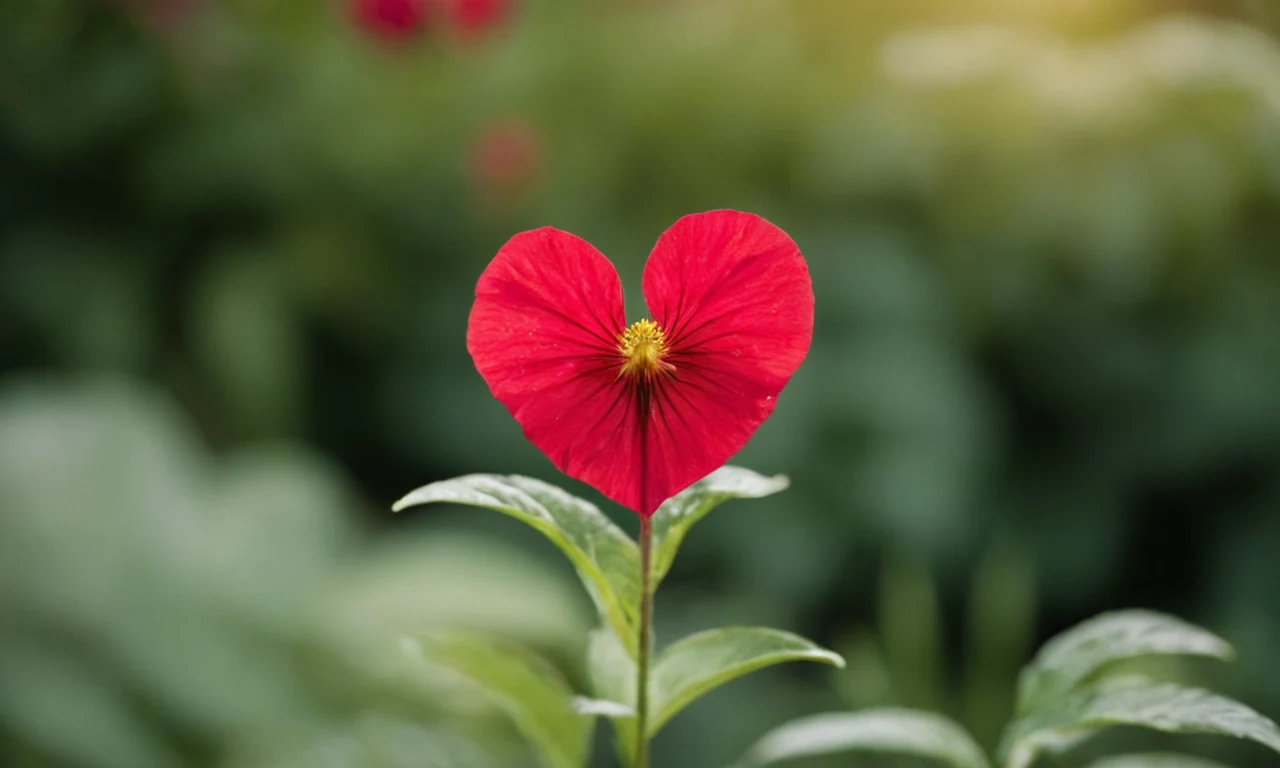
{"x": 1043, "y": 238}
{"x": 1080, "y": 684}
{"x": 162, "y": 609}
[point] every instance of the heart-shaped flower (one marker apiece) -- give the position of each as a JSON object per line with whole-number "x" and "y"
{"x": 642, "y": 411}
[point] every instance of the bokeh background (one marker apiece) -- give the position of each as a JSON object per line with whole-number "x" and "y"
{"x": 238, "y": 243}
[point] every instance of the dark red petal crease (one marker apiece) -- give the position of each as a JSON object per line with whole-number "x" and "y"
{"x": 734, "y": 296}
{"x": 543, "y": 333}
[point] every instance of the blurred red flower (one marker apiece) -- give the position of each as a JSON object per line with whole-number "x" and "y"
{"x": 391, "y": 19}
{"x": 471, "y": 17}
{"x": 505, "y": 159}
{"x": 396, "y": 19}
{"x": 642, "y": 411}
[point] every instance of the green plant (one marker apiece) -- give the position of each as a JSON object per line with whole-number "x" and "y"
{"x": 608, "y": 561}
{"x": 1072, "y": 691}
{"x": 165, "y": 607}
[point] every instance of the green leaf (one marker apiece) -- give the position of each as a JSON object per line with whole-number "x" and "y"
{"x": 1155, "y": 760}
{"x": 677, "y": 514}
{"x": 700, "y": 663}
{"x": 613, "y": 678}
{"x": 606, "y": 559}
{"x": 1070, "y": 658}
{"x": 601, "y": 707}
{"x": 525, "y": 687}
{"x": 897, "y": 731}
{"x": 1164, "y": 707}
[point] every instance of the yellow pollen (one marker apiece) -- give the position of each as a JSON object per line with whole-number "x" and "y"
{"x": 643, "y": 346}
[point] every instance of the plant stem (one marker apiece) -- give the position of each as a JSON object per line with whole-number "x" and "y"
{"x": 642, "y": 659}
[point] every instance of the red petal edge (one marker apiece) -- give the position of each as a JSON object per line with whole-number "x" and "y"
{"x": 734, "y": 296}
{"x": 544, "y": 333}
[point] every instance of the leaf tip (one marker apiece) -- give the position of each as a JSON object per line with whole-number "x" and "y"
{"x": 772, "y": 484}
{"x": 408, "y": 500}
{"x": 834, "y": 659}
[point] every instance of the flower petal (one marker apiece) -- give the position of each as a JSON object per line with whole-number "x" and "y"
{"x": 733, "y": 294}
{"x": 544, "y": 334}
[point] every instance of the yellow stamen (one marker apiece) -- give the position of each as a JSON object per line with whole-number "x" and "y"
{"x": 643, "y": 346}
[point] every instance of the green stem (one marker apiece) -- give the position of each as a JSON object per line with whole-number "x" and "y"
{"x": 642, "y": 659}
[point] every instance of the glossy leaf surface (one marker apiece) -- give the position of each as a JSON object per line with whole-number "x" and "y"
{"x": 1073, "y": 656}
{"x": 893, "y": 731}
{"x": 702, "y": 662}
{"x": 678, "y": 514}
{"x": 1162, "y": 707}
{"x": 607, "y": 560}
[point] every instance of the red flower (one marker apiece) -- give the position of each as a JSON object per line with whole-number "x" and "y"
{"x": 506, "y": 159}
{"x": 392, "y": 19}
{"x": 397, "y": 19}
{"x": 471, "y": 17}
{"x": 642, "y": 411}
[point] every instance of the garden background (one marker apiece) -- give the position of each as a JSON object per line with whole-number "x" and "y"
{"x": 238, "y": 245}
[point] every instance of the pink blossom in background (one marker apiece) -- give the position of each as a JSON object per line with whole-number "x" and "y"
{"x": 391, "y": 19}
{"x": 506, "y": 159}
{"x": 473, "y": 17}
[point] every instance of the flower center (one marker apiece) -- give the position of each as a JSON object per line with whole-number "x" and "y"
{"x": 642, "y": 347}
